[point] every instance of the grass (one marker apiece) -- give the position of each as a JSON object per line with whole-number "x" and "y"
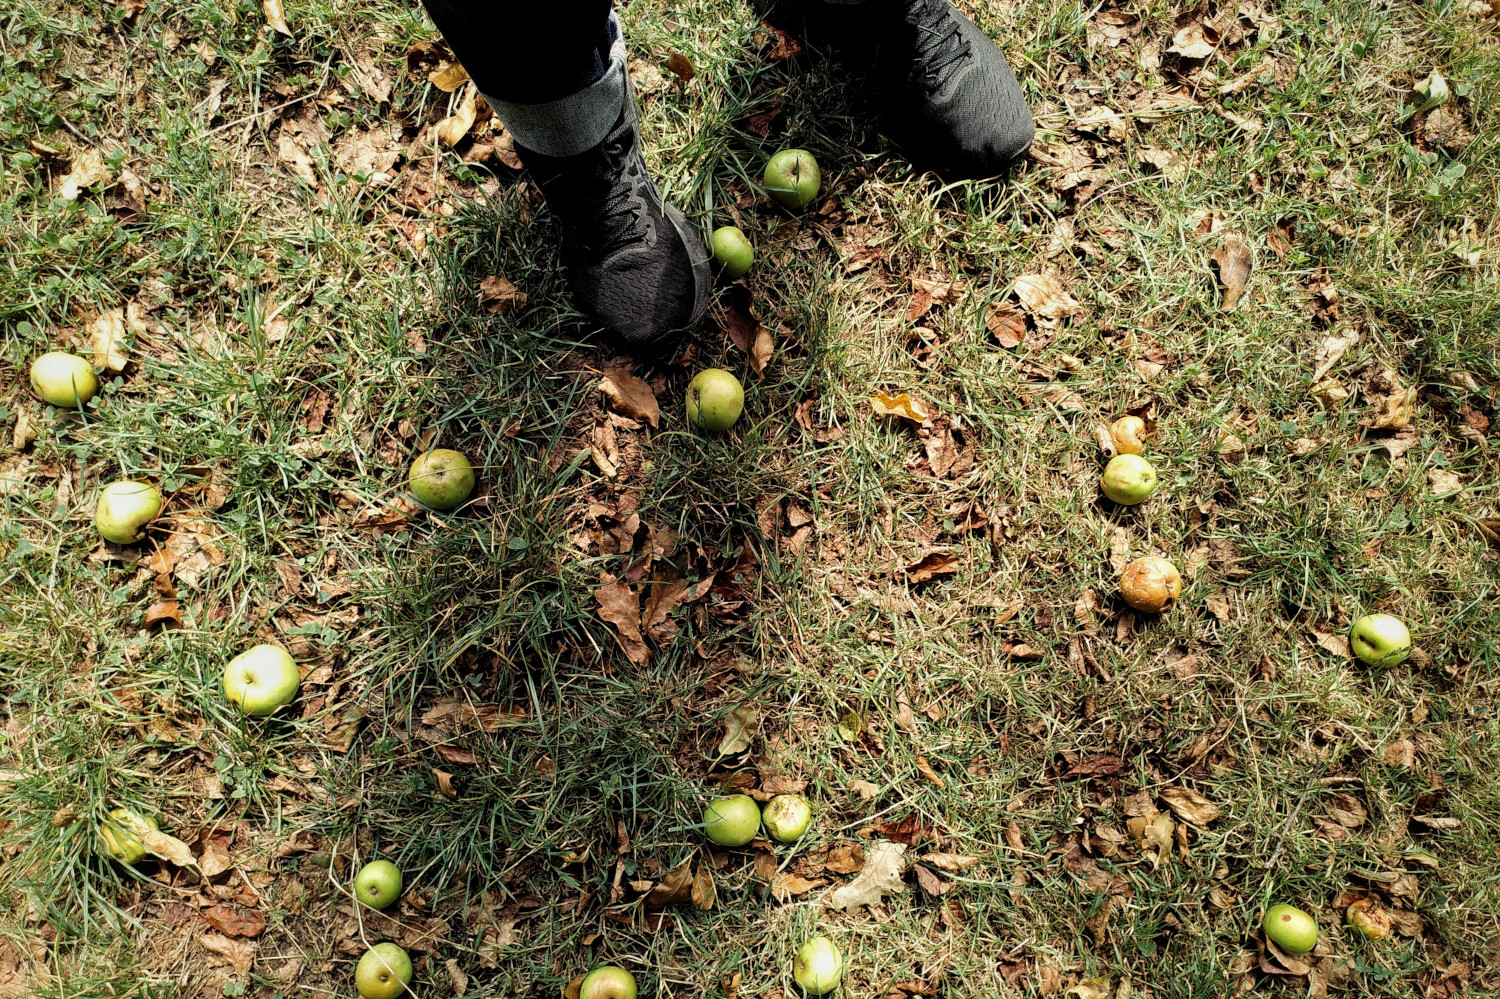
{"x": 303, "y": 342}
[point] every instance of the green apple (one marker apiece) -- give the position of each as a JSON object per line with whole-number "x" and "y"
{"x": 731, "y": 821}
{"x": 607, "y": 982}
{"x": 792, "y": 177}
{"x": 120, "y": 837}
{"x": 383, "y": 972}
{"x": 1128, "y": 479}
{"x": 441, "y": 479}
{"x": 732, "y": 251}
{"x": 378, "y": 884}
{"x": 63, "y": 379}
{"x": 1291, "y": 929}
{"x": 1380, "y": 640}
{"x": 124, "y": 508}
{"x": 261, "y": 679}
{"x": 818, "y": 966}
{"x": 787, "y": 817}
{"x": 715, "y": 399}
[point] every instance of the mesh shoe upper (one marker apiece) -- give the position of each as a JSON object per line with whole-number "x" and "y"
{"x": 949, "y": 97}
{"x": 633, "y": 262}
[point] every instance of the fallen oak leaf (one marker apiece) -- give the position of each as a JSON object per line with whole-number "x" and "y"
{"x": 933, "y": 565}
{"x": 107, "y": 340}
{"x": 785, "y": 885}
{"x": 620, "y": 606}
{"x": 630, "y": 396}
{"x": 1191, "y": 806}
{"x": 1234, "y": 262}
{"x": 740, "y": 725}
{"x": 497, "y": 295}
{"x": 881, "y": 876}
{"x": 1045, "y": 295}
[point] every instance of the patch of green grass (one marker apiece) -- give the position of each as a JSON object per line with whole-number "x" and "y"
{"x": 300, "y": 343}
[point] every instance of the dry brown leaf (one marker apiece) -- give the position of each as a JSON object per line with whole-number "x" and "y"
{"x": 740, "y": 725}
{"x": 107, "y": 340}
{"x": 1194, "y": 41}
{"x": 1444, "y": 483}
{"x": 1336, "y": 642}
{"x": 293, "y": 155}
{"x": 704, "y": 891}
{"x": 214, "y": 860}
{"x": 621, "y": 606}
{"x": 445, "y": 783}
{"x": 846, "y": 858}
{"x": 932, "y": 566}
{"x": 167, "y": 612}
{"x": 1234, "y": 261}
{"x": 497, "y": 295}
{"x": 235, "y": 921}
{"x": 1190, "y": 806}
{"x": 456, "y": 976}
{"x": 1348, "y": 810}
{"x": 761, "y": 351}
{"x": 86, "y": 169}
{"x": 1046, "y": 296}
{"x": 930, "y": 882}
{"x": 275, "y": 16}
{"x": 1119, "y": 549}
{"x": 605, "y": 449}
{"x": 630, "y": 396}
{"x": 452, "y": 129}
{"x": 901, "y": 405}
{"x": 1394, "y": 411}
{"x": 239, "y": 953}
{"x": 881, "y": 876}
{"x": 785, "y": 885}
{"x": 864, "y": 789}
{"x": 448, "y": 76}
{"x": 925, "y": 769}
{"x": 1008, "y": 327}
{"x": 676, "y": 887}
{"x": 951, "y": 862}
{"x": 1330, "y": 352}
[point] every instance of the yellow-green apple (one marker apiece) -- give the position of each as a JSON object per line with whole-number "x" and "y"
{"x": 1128, "y": 479}
{"x": 715, "y": 399}
{"x": 732, "y": 251}
{"x": 261, "y": 679}
{"x": 607, "y": 982}
{"x": 792, "y": 177}
{"x": 732, "y": 820}
{"x": 383, "y": 972}
{"x": 786, "y": 817}
{"x": 63, "y": 379}
{"x": 441, "y": 479}
{"x": 1291, "y": 929}
{"x": 124, "y": 508}
{"x": 818, "y": 966}
{"x": 378, "y": 884}
{"x": 1380, "y": 640}
{"x": 120, "y": 837}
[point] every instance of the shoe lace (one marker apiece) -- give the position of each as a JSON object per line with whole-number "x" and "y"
{"x": 615, "y": 220}
{"x": 940, "y": 45}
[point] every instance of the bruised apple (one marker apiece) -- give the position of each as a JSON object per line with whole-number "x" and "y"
{"x": 1151, "y": 584}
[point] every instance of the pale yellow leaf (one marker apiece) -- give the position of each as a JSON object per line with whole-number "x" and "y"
{"x": 275, "y": 16}
{"x": 107, "y": 339}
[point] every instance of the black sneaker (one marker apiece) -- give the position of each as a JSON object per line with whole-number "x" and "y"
{"x": 947, "y": 96}
{"x": 634, "y": 264}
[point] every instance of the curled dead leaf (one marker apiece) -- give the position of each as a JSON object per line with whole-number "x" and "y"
{"x": 1234, "y": 261}
{"x": 452, "y": 129}
{"x": 933, "y": 565}
{"x": 107, "y": 340}
{"x": 630, "y": 396}
{"x": 497, "y": 295}
{"x": 740, "y": 725}
{"x": 902, "y": 405}
{"x": 275, "y": 16}
{"x": 1190, "y": 806}
{"x": 86, "y": 169}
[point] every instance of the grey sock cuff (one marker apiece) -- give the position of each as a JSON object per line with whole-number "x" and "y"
{"x": 570, "y": 125}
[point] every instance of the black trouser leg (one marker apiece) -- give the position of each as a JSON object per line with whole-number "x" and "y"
{"x": 526, "y": 53}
